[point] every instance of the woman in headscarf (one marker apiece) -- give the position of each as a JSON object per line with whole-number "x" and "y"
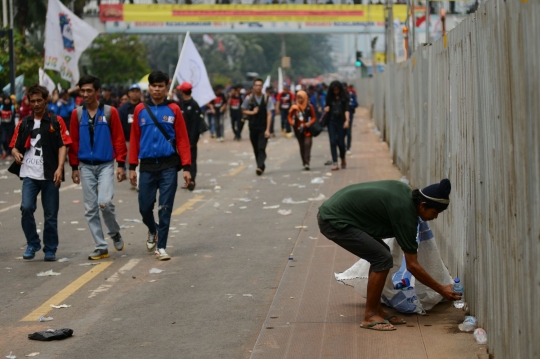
{"x": 337, "y": 110}
{"x": 301, "y": 117}
{"x": 358, "y": 216}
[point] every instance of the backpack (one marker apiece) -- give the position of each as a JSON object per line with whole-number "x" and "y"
{"x": 106, "y": 110}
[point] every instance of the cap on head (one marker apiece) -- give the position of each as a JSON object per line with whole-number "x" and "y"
{"x": 185, "y": 86}
{"x": 438, "y": 194}
{"x": 135, "y": 87}
{"x": 105, "y": 88}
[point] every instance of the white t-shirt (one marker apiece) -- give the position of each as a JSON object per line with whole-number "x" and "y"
{"x": 32, "y": 166}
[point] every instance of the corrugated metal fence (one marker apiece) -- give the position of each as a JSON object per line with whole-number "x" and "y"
{"x": 468, "y": 108}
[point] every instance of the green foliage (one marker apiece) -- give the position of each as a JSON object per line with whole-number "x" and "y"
{"x": 118, "y": 59}
{"x": 28, "y": 60}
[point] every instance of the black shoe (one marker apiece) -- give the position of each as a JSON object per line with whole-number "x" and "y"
{"x": 259, "y": 172}
{"x": 50, "y": 256}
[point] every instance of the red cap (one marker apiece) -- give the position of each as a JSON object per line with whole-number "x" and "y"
{"x": 185, "y": 86}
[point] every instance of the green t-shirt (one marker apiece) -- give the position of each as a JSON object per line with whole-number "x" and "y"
{"x": 382, "y": 209}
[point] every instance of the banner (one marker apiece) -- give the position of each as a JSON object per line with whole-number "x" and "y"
{"x": 66, "y": 37}
{"x": 190, "y": 68}
{"x": 246, "y": 13}
{"x": 46, "y": 81}
{"x": 19, "y": 86}
{"x": 266, "y": 84}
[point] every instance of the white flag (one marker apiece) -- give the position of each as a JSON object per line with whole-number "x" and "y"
{"x": 46, "y": 81}
{"x": 66, "y": 37}
{"x": 266, "y": 84}
{"x": 190, "y": 68}
{"x": 280, "y": 80}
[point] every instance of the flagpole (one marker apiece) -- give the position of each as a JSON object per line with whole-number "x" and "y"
{"x": 178, "y": 64}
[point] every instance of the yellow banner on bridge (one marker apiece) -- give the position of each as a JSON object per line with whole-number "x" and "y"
{"x": 248, "y": 13}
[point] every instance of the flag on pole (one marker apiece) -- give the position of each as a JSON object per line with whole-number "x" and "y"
{"x": 66, "y": 37}
{"x": 266, "y": 84}
{"x": 208, "y": 39}
{"x": 46, "y": 81}
{"x": 280, "y": 79}
{"x": 19, "y": 85}
{"x": 190, "y": 68}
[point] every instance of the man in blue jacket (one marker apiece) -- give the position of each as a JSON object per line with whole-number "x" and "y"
{"x": 353, "y": 104}
{"x": 98, "y": 139}
{"x": 65, "y": 105}
{"x": 160, "y": 141}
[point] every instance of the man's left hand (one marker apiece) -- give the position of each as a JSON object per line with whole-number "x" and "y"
{"x": 120, "y": 174}
{"x": 58, "y": 176}
{"x": 266, "y": 134}
{"x": 187, "y": 178}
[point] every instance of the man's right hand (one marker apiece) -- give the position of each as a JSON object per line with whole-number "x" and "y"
{"x": 17, "y": 156}
{"x": 75, "y": 176}
{"x": 133, "y": 178}
{"x": 448, "y": 293}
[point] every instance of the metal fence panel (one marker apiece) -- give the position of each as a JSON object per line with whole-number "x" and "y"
{"x": 468, "y": 108}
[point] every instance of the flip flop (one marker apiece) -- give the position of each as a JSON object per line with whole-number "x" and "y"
{"x": 388, "y": 319}
{"x": 371, "y": 326}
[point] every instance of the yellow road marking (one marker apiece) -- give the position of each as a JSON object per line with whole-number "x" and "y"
{"x": 187, "y": 205}
{"x": 58, "y": 298}
{"x": 237, "y": 170}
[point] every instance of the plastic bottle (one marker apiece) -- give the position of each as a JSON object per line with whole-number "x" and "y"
{"x": 468, "y": 324}
{"x": 458, "y": 288}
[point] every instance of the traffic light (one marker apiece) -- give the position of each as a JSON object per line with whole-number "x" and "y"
{"x": 358, "y": 58}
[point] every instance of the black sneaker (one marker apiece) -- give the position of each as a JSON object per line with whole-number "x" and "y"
{"x": 118, "y": 242}
{"x": 259, "y": 172}
{"x": 30, "y": 252}
{"x": 50, "y": 256}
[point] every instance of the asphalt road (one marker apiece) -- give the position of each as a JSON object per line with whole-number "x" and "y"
{"x": 210, "y": 301}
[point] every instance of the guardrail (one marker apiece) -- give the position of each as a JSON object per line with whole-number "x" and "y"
{"x": 468, "y": 108}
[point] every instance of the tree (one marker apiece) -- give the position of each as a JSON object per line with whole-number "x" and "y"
{"x": 27, "y": 60}
{"x": 118, "y": 58}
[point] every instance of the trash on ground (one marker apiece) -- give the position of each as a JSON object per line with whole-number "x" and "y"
{"x": 468, "y": 324}
{"x": 74, "y": 222}
{"x": 228, "y": 212}
{"x": 216, "y": 205}
{"x": 234, "y": 164}
{"x": 32, "y": 354}
{"x": 77, "y": 201}
{"x": 51, "y": 334}
{"x": 89, "y": 264}
{"x": 155, "y": 271}
{"x": 247, "y": 295}
{"x": 202, "y": 190}
{"x": 320, "y": 197}
{"x": 238, "y": 235}
{"x": 272, "y": 181}
{"x": 243, "y": 199}
{"x": 289, "y": 200}
{"x": 271, "y": 207}
{"x": 81, "y": 229}
{"x": 45, "y": 319}
{"x": 317, "y": 180}
{"x": 310, "y": 237}
{"x": 17, "y": 191}
{"x": 47, "y": 273}
{"x": 298, "y": 227}
{"x": 243, "y": 207}
{"x": 60, "y": 306}
{"x": 10, "y": 356}
{"x": 217, "y": 188}
{"x": 284, "y": 212}
{"x": 132, "y": 220}
{"x": 63, "y": 260}
{"x": 328, "y": 174}
{"x": 481, "y": 336}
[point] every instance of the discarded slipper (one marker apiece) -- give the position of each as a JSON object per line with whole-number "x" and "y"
{"x": 389, "y": 319}
{"x": 372, "y": 326}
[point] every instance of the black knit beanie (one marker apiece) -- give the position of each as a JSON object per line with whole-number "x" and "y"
{"x": 438, "y": 195}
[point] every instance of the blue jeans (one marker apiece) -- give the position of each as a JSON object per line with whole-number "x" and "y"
{"x": 149, "y": 183}
{"x": 50, "y": 200}
{"x": 98, "y": 192}
{"x": 211, "y": 123}
{"x": 336, "y": 132}
{"x": 285, "y": 120}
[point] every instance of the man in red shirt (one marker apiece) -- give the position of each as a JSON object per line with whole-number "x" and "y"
{"x": 218, "y": 106}
{"x": 285, "y": 100}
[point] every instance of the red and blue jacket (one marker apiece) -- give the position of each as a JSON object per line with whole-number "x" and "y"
{"x": 150, "y": 146}
{"x": 102, "y": 144}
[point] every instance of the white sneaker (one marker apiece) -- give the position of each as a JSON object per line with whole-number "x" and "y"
{"x": 162, "y": 255}
{"x": 221, "y": 139}
{"x": 151, "y": 242}
{"x": 349, "y": 152}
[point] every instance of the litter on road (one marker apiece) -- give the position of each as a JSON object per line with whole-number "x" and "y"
{"x": 132, "y": 220}
{"x": 317, "y": 180}
{"x": 320, "y": 197}
{"x": 60, "y": 306}
{"x": 89, "y": 264}
{"x": 247, "y": 295}
{"x": 271, "y": 207}
{"x": 32, "y": 354}
{"x": 51, "y": 334}
{"x": 297, "y": 227}
{"x": 155, "y": 271}
{"x": 10, "y": 356}
{"x": 63, "y": 260}
{"x": 47, "y": 273}
{"x": 289, "y": 200}
{"x": 45, "y": 319}
{"x": 77, "y": 201}
{"x": 285, "y": 212}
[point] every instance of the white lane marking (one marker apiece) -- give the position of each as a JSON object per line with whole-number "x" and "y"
{"x": 19, "y": 205}
{"x": 114, "y": 278}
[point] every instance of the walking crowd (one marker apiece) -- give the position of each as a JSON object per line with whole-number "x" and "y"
{"x": 151, "y": 136}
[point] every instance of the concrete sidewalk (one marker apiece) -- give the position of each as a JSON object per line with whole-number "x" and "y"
{"x": 313, "y": 316}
